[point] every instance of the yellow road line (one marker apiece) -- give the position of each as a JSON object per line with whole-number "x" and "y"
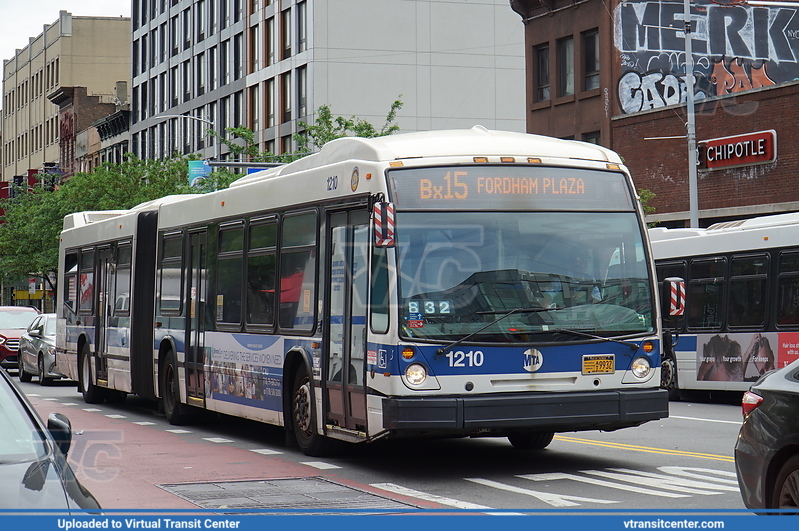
{"x": 620, "y": 446}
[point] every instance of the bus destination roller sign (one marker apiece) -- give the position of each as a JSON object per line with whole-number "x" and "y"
{"x": 508, "y": 188}
{"x": 739, "y": 150}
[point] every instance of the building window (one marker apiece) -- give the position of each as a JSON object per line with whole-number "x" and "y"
{"x": 270, "y": 103}
{"x": 201, "y": 74}
{"x": 566, "y": 67}
{"x": 254, "y": 50}
{"x": 238, "y": 56}
{"x": 269, "y": 36}
{"x": 285, "y": 94}
{"x": 186, "y": 29}
{"x": 254, "y": 109}
{"x": 212, "y": 69}
{"x": 592, "y": 138}
{"x": 542, "y": 73}
{"x": 285, "y": 30}
{"x": 224, "y": 63}
{"x": 591, "y": 59}
{"x": 302, "y": 91}
{"x": 200, "y": 7}
{"x": 302, "y": 26}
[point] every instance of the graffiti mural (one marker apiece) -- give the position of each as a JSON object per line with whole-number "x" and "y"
{"x": 735, "y": 47}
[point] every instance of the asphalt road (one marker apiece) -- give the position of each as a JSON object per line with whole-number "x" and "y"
{"x": 129, "y": 456}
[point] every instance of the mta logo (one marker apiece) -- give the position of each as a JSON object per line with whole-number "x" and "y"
{"x": 533, "y": 359}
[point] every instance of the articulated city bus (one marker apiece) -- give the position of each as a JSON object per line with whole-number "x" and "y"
{"x": 742, "y": 301}
{"x": 452, "y": 283}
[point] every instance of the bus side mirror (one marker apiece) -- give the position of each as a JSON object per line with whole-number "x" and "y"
{"x": 383, "y": 215}
{"x": 673, "y": 298}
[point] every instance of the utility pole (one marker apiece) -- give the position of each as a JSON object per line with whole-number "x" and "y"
{"x": 693, "y": 193}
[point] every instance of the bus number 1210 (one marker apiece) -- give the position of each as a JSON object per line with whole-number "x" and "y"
{"x": 465, "y": 359}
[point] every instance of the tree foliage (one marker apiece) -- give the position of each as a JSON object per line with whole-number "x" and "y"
{"x": 32, "y": 221}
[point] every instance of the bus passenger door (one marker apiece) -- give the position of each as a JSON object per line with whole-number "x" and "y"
{"x": 348, "y": 238}
{"x": 105, "y": 298}
{"x": 196, "y": 291}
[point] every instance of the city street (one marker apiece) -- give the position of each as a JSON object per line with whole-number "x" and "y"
{"x": 129, "y": 456}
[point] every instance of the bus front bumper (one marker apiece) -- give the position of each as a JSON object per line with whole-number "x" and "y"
{"x": 558, "y": 412}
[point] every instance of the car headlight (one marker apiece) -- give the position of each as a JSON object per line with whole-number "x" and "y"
{"x": 2, "y": 340}
{"x": 415, "y": 374}
{"x": 641, "y": 367}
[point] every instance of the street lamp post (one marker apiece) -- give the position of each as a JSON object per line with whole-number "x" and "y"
{"x": 209, "y": 122}
{"x": 693, "y": 194}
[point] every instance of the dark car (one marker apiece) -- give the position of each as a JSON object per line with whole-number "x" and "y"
{"x": 34, "y": 473}
{"x": 14, "y": 320}
{"x": 767, "y": 451}
{"x": 37, "y": 350}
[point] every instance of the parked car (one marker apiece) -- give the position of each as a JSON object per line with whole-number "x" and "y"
{"x": 767, "y": 451}
{"x": 14, "y": 320}
{"x": 37, "y": 351}
{"x": 34, "y": 473}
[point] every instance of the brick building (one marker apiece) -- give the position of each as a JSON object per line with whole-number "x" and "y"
{"x": 746, "y": 63}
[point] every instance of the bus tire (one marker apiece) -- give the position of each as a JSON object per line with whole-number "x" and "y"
{"x": 23, "y": 376}
{"x": 668, "y": 376}
{"x": 170, "y": 391}
{"x": 91, "y": 393}
{"x": 303, "y": 416}
{"x": 531, "y": 440}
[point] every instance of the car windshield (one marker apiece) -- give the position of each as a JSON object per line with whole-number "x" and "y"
{"x": 582, "y": 271}
{"x": 10, "y": 319}
{"x": 20, "y": 439}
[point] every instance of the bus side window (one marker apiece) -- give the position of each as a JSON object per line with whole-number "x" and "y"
{"x": 748, "y": 291}
{"x": 229, "y": 269}
{"x": 71, "y": 281}
{"x": 297, "y": 308}
{"x": 171, "y": 274}
{"x": 788, "y": 290}
{"x": 261, "y": 265}
{"x": 86, "y": 282}
{"x": 705, "y": 293}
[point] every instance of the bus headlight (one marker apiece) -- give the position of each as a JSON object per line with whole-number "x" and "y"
{"x": 415, "y": 374}
{"x": 641, "y": 367}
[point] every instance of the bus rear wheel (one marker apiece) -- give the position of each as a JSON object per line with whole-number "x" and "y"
{"x": 303, "y": 416}
{"x": 91, "y": 393}
{"x": 531, "y": 440}
{"x": 170, "y": 391}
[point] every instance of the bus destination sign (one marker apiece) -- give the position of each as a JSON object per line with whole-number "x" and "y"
{"x": 510, "y": 187}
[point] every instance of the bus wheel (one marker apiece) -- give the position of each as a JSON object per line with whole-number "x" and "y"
{"x": 170, "y": 391}
{"x": 531, "y": 440}
{"x": 303, "y": 416}
{"x": 668, "y": 377}
{"x": 91, "y": 393}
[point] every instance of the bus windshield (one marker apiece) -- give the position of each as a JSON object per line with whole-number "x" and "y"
{"x": 578, "y": 271}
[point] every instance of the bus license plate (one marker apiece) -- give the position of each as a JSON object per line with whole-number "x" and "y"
{"x": 602, "y": 364}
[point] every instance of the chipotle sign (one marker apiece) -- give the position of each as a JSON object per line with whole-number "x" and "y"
{"x": 739, "y": 150}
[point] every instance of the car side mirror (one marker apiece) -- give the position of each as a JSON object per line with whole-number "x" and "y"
{"x": 60, "y": 428}
{"x": 34, "y": 333}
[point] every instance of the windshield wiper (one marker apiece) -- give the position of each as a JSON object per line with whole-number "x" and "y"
{"x": 633, "y": 346}
{"x": 441, "y": 351}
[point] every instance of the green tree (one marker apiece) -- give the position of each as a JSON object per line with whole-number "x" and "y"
{"x": 32, "y": 221}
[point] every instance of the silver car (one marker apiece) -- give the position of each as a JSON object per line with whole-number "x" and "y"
{"x": 37, "y": 350}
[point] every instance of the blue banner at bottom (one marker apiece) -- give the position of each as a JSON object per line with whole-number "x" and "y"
{"x": 421, "y": 521}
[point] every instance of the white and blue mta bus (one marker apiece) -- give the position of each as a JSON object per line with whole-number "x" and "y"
{"x": 452, "y": 283}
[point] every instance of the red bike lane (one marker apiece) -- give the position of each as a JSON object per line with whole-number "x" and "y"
{"x": 123, "y": 464}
